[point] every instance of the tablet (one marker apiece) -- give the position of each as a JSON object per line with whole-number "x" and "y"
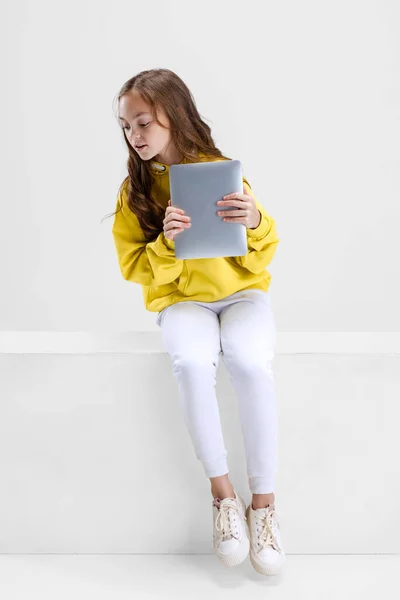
{"x": 196, "y": 188}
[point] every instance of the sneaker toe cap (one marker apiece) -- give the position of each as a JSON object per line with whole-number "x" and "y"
{"x": 228, "y": 546}
{"x": 271, "y": 556}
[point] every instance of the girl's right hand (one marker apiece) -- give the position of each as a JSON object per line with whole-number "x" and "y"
{"x": 175, "y": 221}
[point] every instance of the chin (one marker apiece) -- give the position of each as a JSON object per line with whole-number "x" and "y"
{"x": 148, "y": 156}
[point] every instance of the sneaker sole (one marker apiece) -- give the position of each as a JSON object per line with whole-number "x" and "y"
{"x": 264, "y": 569}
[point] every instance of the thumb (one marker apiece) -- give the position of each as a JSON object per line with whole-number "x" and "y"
{"x": 169, "y": 202}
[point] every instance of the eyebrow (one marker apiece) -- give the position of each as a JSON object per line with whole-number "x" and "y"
{"x": 143, "y": 112}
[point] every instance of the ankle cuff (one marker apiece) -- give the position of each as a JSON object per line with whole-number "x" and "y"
{"x": 261, "y": 485}
{"x": 216, "y": 467}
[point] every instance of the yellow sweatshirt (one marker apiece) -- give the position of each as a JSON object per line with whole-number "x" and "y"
{"x": 166, "y": 279}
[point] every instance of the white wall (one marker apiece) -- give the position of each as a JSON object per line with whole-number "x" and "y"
{"x": 89, "y": 438}
{"x": 305, "y": 94}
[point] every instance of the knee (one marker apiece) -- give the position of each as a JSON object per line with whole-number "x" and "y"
{"x": 250, "y": 365}
{"x": 194, "y": 363}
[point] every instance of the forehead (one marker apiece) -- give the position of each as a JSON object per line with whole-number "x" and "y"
{"x": 131, "y": 106}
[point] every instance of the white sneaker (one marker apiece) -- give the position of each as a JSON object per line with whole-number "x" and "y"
{"x": 230, "y": 538}
{"x": 266, "y": 552}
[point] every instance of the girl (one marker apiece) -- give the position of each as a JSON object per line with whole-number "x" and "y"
{"x": 206, "y": 307}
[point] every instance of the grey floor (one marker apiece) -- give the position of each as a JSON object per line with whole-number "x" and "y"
{"x": 308, "y": 577}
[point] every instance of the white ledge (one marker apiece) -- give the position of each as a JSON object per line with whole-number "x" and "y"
{"x": 150, "y": 342}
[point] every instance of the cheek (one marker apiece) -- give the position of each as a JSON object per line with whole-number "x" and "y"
{"x": 161, "y": 135}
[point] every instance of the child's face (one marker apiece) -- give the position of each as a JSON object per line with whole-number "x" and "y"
{"x": 143, "y": 128}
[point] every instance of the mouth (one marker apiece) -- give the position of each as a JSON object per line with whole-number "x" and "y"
{"x": 141, "y": 147}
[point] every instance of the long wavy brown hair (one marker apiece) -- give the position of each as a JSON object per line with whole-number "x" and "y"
{"x": 189, "y": 133}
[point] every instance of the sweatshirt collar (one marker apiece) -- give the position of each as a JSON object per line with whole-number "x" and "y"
{"x": 160, "y": 168}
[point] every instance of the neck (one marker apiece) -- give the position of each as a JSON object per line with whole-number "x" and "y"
{"x": 169, "y": 157}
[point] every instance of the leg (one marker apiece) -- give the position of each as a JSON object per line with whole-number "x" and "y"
{"x": 248, "y": 341}
{"x": 262, "y": 500}
{"x": 221, "y": 487}
{"x": 190, "y": 334}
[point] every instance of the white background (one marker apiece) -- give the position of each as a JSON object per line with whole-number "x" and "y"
{"x": 305, "y": 94}
{"x": 95, "y": 457}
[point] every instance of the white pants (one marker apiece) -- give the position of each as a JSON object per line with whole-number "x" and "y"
{"x": 242, "y": 328}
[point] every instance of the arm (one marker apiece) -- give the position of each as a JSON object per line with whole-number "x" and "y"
{"x": 261, "y": 241}
{"x": 146, "y": 263}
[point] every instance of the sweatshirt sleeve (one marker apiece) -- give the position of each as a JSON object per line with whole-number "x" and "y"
{"x": 261, "y": 241}
{"x": 140, "y": 261}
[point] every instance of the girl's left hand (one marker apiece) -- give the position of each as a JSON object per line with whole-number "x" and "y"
{"x": 247, "y": 212}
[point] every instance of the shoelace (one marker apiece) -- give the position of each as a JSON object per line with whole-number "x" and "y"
{"x": 225, "y": 520}
{"x": 269, "y": 533}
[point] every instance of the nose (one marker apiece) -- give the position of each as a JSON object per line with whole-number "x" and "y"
{"x": 134, "y": 136}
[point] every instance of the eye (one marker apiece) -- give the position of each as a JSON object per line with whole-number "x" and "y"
{"x": 141, "y": 125}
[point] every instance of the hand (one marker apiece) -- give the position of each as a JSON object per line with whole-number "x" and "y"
{"x": 247, "y": 212}
{"x": 175, "y": 221}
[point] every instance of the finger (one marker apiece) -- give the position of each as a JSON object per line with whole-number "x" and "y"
{"x": 235, "y": 195}
{"x": 233, "y": 213}
{"x": 177, "y": 223}
{"x": 236, "y": 220}
{"x": 242, "y": 203}
{"x": 174, "y": 231}
{"x": 174, "y": 217}
{"x": 174, "y": 208}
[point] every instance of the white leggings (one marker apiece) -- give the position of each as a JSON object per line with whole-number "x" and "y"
{"x": 242, "y": 328}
